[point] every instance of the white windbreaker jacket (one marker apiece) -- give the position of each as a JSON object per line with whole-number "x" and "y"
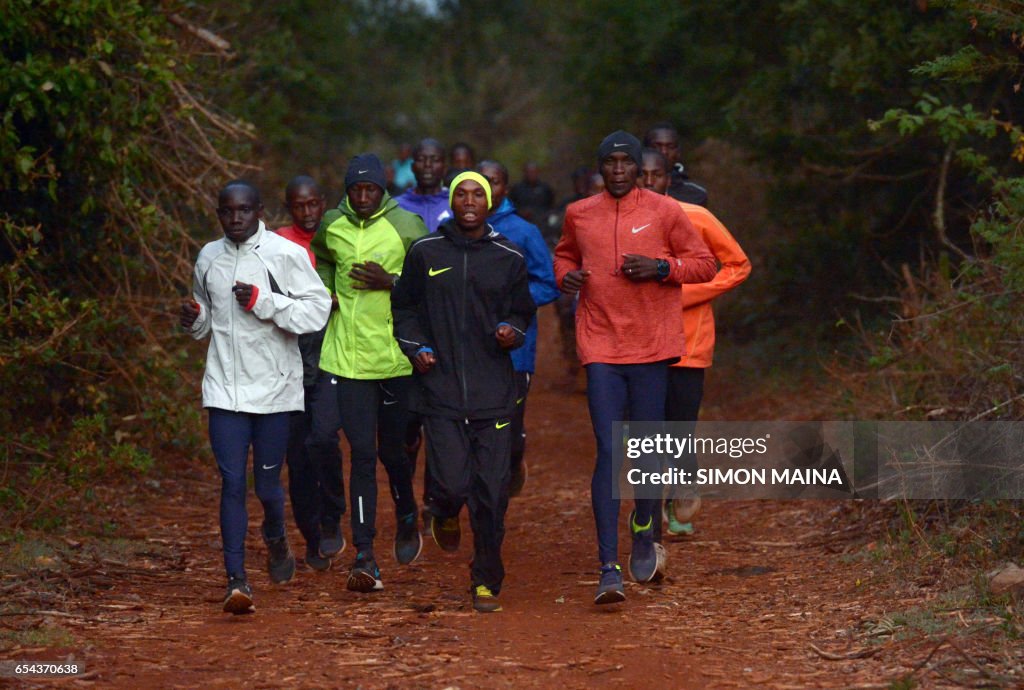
{"x": 253, "y": 364}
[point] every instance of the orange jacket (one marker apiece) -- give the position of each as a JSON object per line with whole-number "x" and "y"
{"x": 698, "y": 318}
{"x": 619, "y": 321}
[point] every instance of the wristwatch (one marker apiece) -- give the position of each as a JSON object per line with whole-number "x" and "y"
{"x": 664, "y": 268}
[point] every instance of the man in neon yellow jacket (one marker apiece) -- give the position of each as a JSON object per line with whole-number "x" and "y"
{"x": 360, "y": 248}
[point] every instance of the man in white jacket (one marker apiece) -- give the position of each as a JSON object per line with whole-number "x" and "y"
{"x": 253, "y": 292}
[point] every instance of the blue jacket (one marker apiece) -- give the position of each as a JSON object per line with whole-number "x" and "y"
{"x": 540, "y": 273}
{"x": 432, "y": 208}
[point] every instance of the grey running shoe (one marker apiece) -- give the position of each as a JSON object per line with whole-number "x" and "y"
{"x": 484, "y": 600}
{"x": 365, "y": 575}
{"x": 315, "y": 561}
{"x": 643, "y": 559}
{"x": 239, "y": 597}
{"x": 609, "y": 589}
{"x": 280, "y": 561}
{"x": 408, "y": 540}
{"x": 332, "y": 541}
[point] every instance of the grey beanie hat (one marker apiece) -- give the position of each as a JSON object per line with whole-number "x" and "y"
{"x": 365, "y": 167}
{"x": 620, "y": 141}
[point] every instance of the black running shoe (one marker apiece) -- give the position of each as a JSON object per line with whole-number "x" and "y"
{"x": 446, "y": 532}
{"x": 518, "y": 478}
{"x": 408, "y": 540}
{"x": 280, "y": 561}
{"x": 332, "y": 541}
{"x": 484, "y": 600}
{"x": 315, "y": 561}
{"x": 365, "y": 575}
{"x": 239, "y": 597}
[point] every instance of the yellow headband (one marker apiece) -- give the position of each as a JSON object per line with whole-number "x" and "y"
{"x": 470, "y": 175}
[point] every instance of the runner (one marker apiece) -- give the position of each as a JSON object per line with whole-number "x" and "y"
{"x": 665, "y": 138}
{"x": 462, "y": 304}
{"x": 686, "y": 377}
{"x": 428, "y": 199}
{"x": 252, "y": 292}
{"x": 543, "y": 290}
{"x": 360, "y": 248}
{"x": 317, "y": 493}
{"x": 626, "y": 250}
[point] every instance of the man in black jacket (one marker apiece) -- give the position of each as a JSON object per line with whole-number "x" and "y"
{"x": 664, "y": 137}
{"x": 463, "y": 302}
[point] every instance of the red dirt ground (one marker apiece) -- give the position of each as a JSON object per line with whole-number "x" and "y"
{"x": 748, "y": 594}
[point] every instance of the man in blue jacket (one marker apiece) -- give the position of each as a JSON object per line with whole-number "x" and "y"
{"x": 429, "y": 198}
{"x": 543, "y": 289}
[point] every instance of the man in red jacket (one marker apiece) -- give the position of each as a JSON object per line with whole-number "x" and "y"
{"x": 626, "y": 250}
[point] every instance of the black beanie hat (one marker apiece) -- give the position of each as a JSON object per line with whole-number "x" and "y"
{"x": 365, "y": 167}
{"x": 620, "y": 141}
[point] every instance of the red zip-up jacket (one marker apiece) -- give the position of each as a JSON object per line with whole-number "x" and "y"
{"x": 619, "y": 321}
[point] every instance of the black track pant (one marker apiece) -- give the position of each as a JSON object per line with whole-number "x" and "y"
{"x": 374, "y": 416}
{"x": 469, "y": 464}
{"x": 682, "y": 404}
{"x": 519, "y": 417}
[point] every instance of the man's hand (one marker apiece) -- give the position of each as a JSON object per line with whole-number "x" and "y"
{"x": 372, "y": 276}
{"x": 639, "y": 268}
{"x": 424, "y": 362}
{"x": 243, "y": 293}
{"x": 573, "y": 281}
{"x": 188, "y": 314}
{"x": 506, "y": 336}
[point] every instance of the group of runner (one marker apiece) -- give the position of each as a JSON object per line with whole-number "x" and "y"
{"x": 411, "y": 320}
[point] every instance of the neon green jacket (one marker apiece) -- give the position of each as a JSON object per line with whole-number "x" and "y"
{"x": 359, "y": 343}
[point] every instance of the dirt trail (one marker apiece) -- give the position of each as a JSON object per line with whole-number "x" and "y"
{"x": 748, "y": 594}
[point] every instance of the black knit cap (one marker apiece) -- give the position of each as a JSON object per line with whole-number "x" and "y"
{"x": 620, "y": 141}
{"x": 365, "y": 167}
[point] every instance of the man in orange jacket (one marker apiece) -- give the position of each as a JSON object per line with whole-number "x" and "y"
{"x": 626, "y": 250}
{"x": 686, "y": 377}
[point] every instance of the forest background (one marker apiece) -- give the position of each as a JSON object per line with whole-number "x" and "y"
{"x": 866, "y": 153}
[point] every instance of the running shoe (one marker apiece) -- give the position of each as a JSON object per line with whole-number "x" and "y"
{"x": 446, "y": 532}
{"x": 315, "y": 561}
{"x": 280, "y": 561}
{"x": 678, "y": 514}
{"x": 661, "y": 569}
{"x": 365, "y": 575}
{"x": 643, "y": 559}
{"x": 484, "y": 600}
{"x": 408, "y": 540}
{"x": 332, "y": 541}
{"x": 518, "y": 478}
{"x": 239, "y": 597}
{"x": 609, "y": 589}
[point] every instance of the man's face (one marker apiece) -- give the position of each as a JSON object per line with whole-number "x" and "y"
{"x": 499, "y": 185}
{"x": 667, "y": 142}
{"x": 365, "y": 198}
{"x": 653, "y": 175}
{"x": 428, "y": 167}
{"x": 462, "y": 159}
{"x": 619, "y": 172}
{"x": 306, "y": 207}
{"x": 469, "y": 204}
{"x": 239, "y": 213}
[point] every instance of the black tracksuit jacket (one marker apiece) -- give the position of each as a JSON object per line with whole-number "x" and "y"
{"x": 452, "y": 295}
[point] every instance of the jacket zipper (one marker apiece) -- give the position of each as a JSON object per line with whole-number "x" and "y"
{"x": 615, "y": 264}
{"x": 462, "y": 329}
{"x": 358, "y": 294}
{"x": 234, "y": 339}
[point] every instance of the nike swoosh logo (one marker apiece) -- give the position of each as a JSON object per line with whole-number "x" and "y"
{"x": 636, "y": 230}
{"x": 269, "y": 468}
{"x": 520, "y": 401}
{"x": 390, "y": 402}
{"x": 431, "y": 272}
{"x": 363, "y": 172}
{"x": 618, "y": 145}
{"x": 499, "y": 425}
